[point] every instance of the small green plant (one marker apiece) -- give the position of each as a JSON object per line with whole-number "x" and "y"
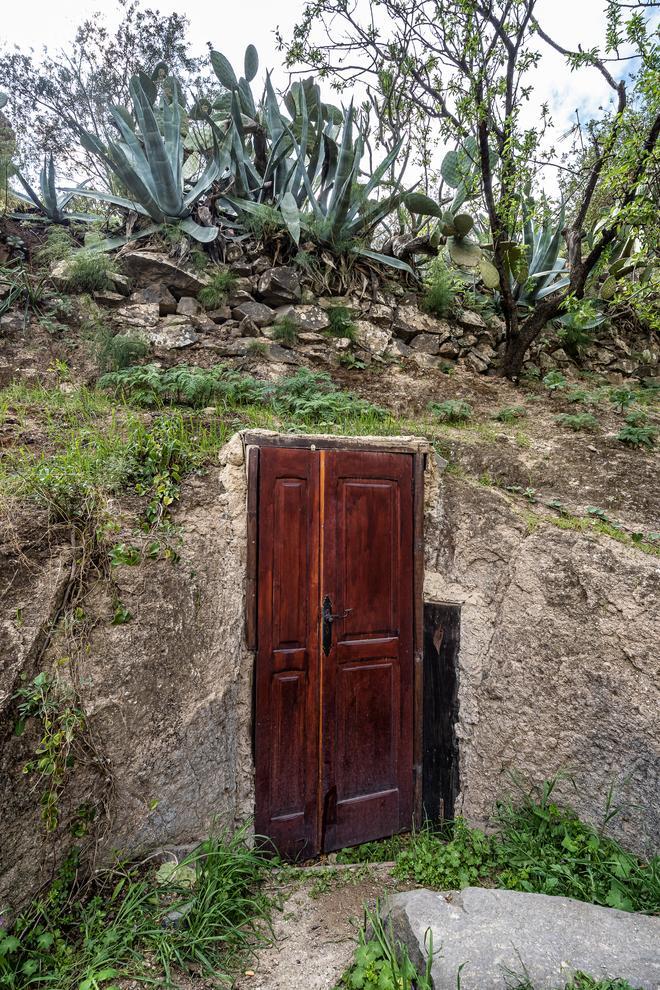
{"x": 440, "y": 291}
{"x": 350, "y": 360}
{"x": 637, "y": 436}
{"x": 220, "y": 286}
{"x": 509, "y": 414}
{"x": 621, "y": 398}
{"x": 59, "y": 244}
{"x": 258, "y": 349}
{"x": 122, "y": 554}
{"x": 204, "y": 915}
{"x": 383, "y": 963}
{"x": 115, "y": 351}
{"x": 382, "y": 851}
{"x": 580, "y": 396}
{"x": 285, "y": 331}
{"x": 554, "y": 381}
{"x": 52, "y": 703}
{"x": 120, "y": 614}
{"x": 341, "y": 323}
{"x": 452, "y": 410}
{"x": 90, "y": 271}
{"x": 577, "y": 422}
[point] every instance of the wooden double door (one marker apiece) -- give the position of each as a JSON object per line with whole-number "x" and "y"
{"x": 334, "y": 671}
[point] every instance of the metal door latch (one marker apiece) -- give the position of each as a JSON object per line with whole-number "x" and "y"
{"x": 328, "y": 618}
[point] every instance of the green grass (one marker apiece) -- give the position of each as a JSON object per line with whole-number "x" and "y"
{"x": 538, "y": 846}
{"x": 439, "y": 296}
{"x": 219, "y": 288}
{"x": 382, "y": 962}
{"x": 285, "y": 331}
{"x": 341, "y": 323}
{"x": 90, "y": 271}
{"x": 204, "y": 916}
{"x": 452, "y": 411}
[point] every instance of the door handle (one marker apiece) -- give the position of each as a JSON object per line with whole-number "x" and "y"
{"x": 328, "y": 618}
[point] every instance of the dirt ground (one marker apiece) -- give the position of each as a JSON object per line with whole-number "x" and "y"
{"x": 316, "y": 931}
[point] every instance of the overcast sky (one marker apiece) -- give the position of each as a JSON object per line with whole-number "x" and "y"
{"x": 231, "y": 25}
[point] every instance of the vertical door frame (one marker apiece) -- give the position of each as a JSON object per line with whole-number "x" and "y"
{"x": 253, "y": 443}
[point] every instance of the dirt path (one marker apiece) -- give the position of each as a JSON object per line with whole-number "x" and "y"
{"x": 317, "y": 929}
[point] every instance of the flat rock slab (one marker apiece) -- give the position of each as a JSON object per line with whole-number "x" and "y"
{"x": 501, "y": 937}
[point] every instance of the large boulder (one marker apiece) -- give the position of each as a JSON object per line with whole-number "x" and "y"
{"x": 261, "y": 315}
{"x": 278, "y": 286}
{"x": 156, "y": 293}
{"x": 494, "y": 939}
{"x": 173, "y": 333}
{"x": 306, "y": 318}
{"x": 147, "y": 267}
{"x": 409, "y": 321}
{"x": 371, "y": 337}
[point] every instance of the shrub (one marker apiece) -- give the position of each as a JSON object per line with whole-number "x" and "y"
{"x": 341, "y": 322}
{"x": 285, "y": 331}
{"x": 579, "y": 421}
{"x": 509, "y": 414}
{"x": 90, "y": 271}
{"x": 382, "y": 962}
{"x": 538, "y": 847}
{"x": 59, "y": 244}
{"x": 452, "y": 410}
{"x": 637, "y": 436}
{"x": 439, "y": 292}
{"x": 554, "y": 380}
{"x": 215, "y": 294}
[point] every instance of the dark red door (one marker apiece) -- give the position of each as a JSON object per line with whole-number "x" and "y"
{"x": 334, "y": 680}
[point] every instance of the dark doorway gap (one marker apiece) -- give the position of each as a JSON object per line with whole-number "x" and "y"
{"x": 440, "y": 773}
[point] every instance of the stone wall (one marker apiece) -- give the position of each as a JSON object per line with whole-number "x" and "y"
{"x": 558, "y": 670}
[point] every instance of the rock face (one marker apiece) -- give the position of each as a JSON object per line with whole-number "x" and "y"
{"x": 557, "y": 666}
{"x": 558, "y": 660}
{"x": 147, "y": 267}
{"x": 490, "y": 937}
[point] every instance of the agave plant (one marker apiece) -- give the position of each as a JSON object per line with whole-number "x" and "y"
{"x": 537, "y": 269}
{"x": 147, "y": 160}
{"x": 51, "y": 206}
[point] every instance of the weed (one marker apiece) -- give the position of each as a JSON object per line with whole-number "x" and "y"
{"x": 90, "y": 271}
{"x": 350, "y": 360}
{"x": 285, "y": 331}
{"x": 621, "y": 398}
{"x": 18, "y": 288}
{"x": 580, "y": 396}
{"x": 215, "y": 294}
{"x": 52, "y": 703}
{"x": 341, "y": 323}
{"x": 554, "y": 380}
{"x": 383, "y": 963}
{"x": 452, "y": 410}
{"x": 58, "y": 246}
{"x": 199, "y": 260}
{"x": 509, "y": 414}
{"x": 199, "y": 916}
{"x": 382, "y": 851}
{"x": 636, "y": 432}
{"x": 540, "y": 847}
{"x": 440, "y": 290}
{"x": 115, "y": 351}
{"x": 258, "y": 348}
{"x": 123, "y": 555}
{"x": 579, "y": 421}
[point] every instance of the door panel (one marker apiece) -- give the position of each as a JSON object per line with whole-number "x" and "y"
{"x": 333, "y": 739}
{"x": 367, "y": 676}
{"x": 286, "y": 691}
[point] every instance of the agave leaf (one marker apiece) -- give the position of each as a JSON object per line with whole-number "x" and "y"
{"x": 338, "y": 212}
{"x": 202, "y": 234}
{"x": 148, "y": 85}
{"x": 251, "y": 63}
{"x": 346, "y": 162}
{"x": 291, "y": 214}
{"x": 3, "y": 100}
{"x": 384, "y": 259}
{"x": 31, "y": 194}
{"x": 169, "y": 192}
{"x": 104, "y": 197}
{"x": 133, "y": 148}
{"x": 554, "y": 287}
{"x": 374, "y": 180}
{"x": 112, "y": 243}
{"x": 223, "y": 70}
{"x": 48, "y": 190}
{"x": 172, "y": 136}
{"x": 274, "y": 122}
